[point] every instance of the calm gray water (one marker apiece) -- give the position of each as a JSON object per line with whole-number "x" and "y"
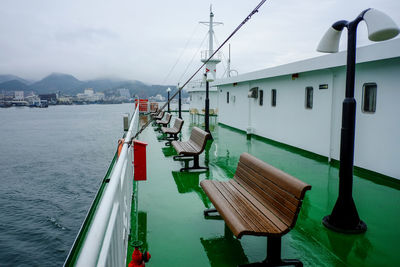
{"x": 51, "y": 164}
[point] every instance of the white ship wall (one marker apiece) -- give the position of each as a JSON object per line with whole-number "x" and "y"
{"x": 235, "y": 113}
{"x": 198, "y": 99}
{"x": 377, "y": 141}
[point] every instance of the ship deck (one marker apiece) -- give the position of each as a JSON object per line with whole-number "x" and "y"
{"x": 167, "y": 210}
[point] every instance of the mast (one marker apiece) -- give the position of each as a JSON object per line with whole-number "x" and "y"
{"x": 211, "y": 33}
{"x": 211, "y": 64}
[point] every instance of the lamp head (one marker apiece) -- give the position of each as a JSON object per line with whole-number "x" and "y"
{"x": 380, "y": 26}
{"x": 169, "y": 90}
{"x": 330, "y": 41}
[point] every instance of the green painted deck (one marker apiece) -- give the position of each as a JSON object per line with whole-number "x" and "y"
{"x": 167, "y": 210}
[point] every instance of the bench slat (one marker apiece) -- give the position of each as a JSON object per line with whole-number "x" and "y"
{"x": 263, "y": 222}
{"x": 266, "y": 188}
{"x": 280, "y": 211}
{"x": 232, "y": 219}
{"x": 270, "y": 189}
{"x": 277, "y": 204}
{"x": 243, "y": 209}
{"x": 278, "y": 177}
{"x": 274, "y": 219}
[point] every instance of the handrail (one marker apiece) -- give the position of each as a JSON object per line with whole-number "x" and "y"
{"x": 111, "y": 223}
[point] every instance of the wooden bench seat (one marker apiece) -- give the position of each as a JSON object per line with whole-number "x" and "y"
{"x": 260, "y": 200}
{"x": 164, "y": 122}
{"x": 192, "y": 148}
{"x": 159, "y": 115}
{"x": 174, "y": 131}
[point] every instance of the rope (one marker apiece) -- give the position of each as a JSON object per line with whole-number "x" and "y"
{"x": 191, "y": 61}
{"x": 255, "y": 10}
{"x": 180, "y": 56}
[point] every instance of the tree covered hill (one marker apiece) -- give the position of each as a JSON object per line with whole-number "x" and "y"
{"x": 69, "y": 85}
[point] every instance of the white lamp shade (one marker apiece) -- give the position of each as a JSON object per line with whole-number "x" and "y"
{"x": 210, "y": 76}
{"x": 330, "y": 41}
{"x": 380, "y": 26}
{"x": 169, "y": 89}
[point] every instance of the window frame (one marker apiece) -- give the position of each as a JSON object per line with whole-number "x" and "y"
{"x": 274, "y": 94}
{"x": 227, "y": 97}
{"x": 375, "y": 94}
{"x": 261, "y": 97}
{"x": 309, "y": 98}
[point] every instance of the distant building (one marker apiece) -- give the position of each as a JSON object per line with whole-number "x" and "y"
{"x": 65, "y": 100}
{"x": 50, "y": 98}
{"x": 159, "y": 97}
{"x": 90, "y": 96}
{"x": 124, "y": 93}
{"x": 19, "y": 95}
{"x": 89, "y": 92}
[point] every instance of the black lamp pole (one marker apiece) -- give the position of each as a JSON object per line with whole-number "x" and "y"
{"x": 168, "y": 101}
{"x": 207, "y": 112}
{"x": 179, "y": 104}
{"x": 344, "y": 217}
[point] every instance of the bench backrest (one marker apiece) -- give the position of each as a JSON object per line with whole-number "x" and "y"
{"x": 198, "y": 139}
{"x": 160, "y": 115}
{"x": 168, "y": 118}
{"x": 279, "y": 192}
{"x": 178, "y": 124}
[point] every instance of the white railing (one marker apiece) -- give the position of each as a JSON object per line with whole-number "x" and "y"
{"x": 107, "y": 238}
{"x": 205, "y": 54}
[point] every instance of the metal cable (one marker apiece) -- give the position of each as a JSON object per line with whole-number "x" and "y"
{"x": 180, "y": 56}
{"x": 195, "y": 54}
{"x": 255, "y": 10}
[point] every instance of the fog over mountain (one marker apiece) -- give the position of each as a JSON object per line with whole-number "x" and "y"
{"x": 69, "y": 85}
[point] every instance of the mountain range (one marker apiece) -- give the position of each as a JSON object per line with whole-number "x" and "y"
{"x": 69, "y": 85}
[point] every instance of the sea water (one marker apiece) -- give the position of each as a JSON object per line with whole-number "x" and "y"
{"x": 52, "y": 161}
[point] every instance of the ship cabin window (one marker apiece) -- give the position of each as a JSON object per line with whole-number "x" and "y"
{"x": 309, "y": 97}
{"x": 261, "y": 99}
{"x": 273, "y": 97}
{"x": 369, "y": 98}
{"x": 227, "y": 97}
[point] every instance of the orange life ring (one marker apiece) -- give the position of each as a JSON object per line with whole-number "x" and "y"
{"x": 120, "y": 145}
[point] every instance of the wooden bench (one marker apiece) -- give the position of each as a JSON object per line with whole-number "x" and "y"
{"x": 174, "y": 131}
{"x": 191, "y": 149}
{"x": 159, "y": 115}
{"x": 164, "y": 122}
{"x": 154, "y": 113}
{"x": 260, "y": 200}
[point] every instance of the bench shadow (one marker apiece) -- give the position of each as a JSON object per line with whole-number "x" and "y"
{"x": 168, "y": 151}
{"x": 189, "y": 182}
{"x": 224, "y": 250}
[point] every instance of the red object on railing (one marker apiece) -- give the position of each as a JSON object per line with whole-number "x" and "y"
{"x": 139, "y": 160}
{"x": 143, "y": 105}
{"x": 139, "y": 259}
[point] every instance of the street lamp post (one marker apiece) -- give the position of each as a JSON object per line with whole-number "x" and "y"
{"x": 179, "y": 103}
{"x": 168, "y": 90}
{"x": 344, "y": 217}
{"x": 207, "y": 109}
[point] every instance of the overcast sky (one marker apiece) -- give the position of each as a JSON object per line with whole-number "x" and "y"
{"x": 142, "y": 40}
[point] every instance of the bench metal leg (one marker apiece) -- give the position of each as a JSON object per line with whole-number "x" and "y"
{"x": 208, "y": 211}
{"x": 274, "y": 246}
{"x": 170, "y": 138}
{"x": 196, "y": 165}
